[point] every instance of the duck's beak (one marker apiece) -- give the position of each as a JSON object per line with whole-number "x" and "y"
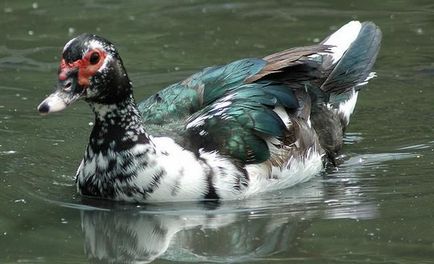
{"x": 66, "y": 92}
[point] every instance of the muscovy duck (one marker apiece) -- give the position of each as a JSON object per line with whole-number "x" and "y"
{"x": 226, "y": 132}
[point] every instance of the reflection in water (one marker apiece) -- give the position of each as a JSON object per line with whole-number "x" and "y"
{"x": 125, "y": 236}
{"x": 239, "y": 231}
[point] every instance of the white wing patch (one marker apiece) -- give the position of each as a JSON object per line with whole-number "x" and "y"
{"x": 342, "y": 39}
{"x": 283, "y": 115}
{"x": 346, "y": 108}
{"x": 371, "y": 75}
{"x": 217, "y": 109}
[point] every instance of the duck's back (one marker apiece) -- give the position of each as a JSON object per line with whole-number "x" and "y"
{"x": 292, "y": 101}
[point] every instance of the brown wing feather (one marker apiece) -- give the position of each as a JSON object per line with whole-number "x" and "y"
{"x": 280, "y": 61}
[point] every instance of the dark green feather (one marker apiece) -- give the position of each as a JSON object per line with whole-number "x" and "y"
{"x": 184, "y": 98}
{"x": 236, "y": 115}
{"x": 357, "y": 61}
{"x": 237, "y": 124}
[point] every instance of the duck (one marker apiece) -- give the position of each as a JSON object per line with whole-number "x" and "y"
{"x": 227, "y": 132}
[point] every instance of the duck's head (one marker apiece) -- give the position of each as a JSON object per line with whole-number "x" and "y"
{"x": 90, "y": 69}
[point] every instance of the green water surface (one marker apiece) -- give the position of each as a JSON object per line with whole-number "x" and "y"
{"x": 378, "y": 207}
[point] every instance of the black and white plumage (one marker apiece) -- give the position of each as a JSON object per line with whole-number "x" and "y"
{"x": 226, "y": 132}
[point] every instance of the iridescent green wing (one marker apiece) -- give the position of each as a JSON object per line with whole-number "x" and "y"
{"x": 180, "y": 100}
{"x": 239, "y": 123}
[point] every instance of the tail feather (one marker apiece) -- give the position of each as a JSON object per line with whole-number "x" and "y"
{"x": 330, "y": 76}
{"x": 341, "y": 40}
{"x": 347, "y": 66}
{"x": 354, "y": 50}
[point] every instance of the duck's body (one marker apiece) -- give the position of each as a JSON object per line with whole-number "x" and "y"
{"x": 226, "y": 132}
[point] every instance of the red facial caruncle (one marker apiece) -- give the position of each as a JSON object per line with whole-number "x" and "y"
{"x": 87, "y": 66}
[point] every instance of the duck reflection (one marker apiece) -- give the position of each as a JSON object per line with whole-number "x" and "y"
{"x": 242, "y": 231}
{"x": 227, "y": 233}
{"x": 128, "y": 236}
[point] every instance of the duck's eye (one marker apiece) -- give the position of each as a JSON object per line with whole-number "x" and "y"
{"x": 94, "y": 58}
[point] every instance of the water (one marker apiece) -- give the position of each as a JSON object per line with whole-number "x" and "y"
{"x": 376, "y": 208}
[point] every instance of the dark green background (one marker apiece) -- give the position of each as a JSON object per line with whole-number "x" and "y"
{"x": 377, "y": 208}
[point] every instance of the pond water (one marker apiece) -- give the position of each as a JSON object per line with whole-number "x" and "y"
{"x": 378, "y": 207}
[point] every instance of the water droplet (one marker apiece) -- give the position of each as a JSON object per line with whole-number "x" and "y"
{"x": 20, "y": 201}
{"x": 35, "y": 5}
{"x": 30, "y": 32}
{"x": 8, "y": 152}
{"x": 71, "y": 31}
{"x": 331, "y": 201}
